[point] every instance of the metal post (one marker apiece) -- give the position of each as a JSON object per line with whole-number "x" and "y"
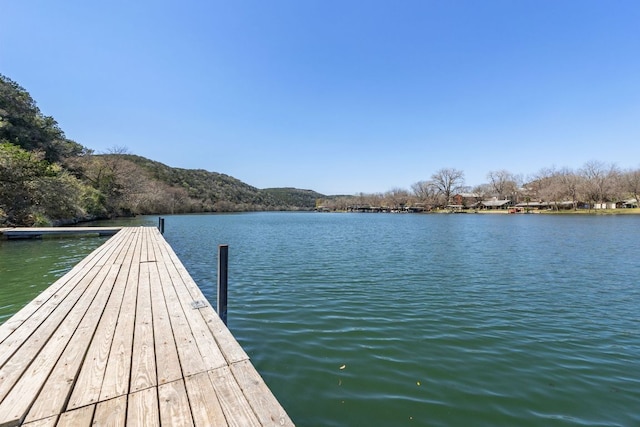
{"x": 223, "y": 263}
{"x": 161, "y": 225}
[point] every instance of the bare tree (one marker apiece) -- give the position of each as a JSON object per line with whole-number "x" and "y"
{"x": 425, "y": 192}
{"x": 599, "y": 181}
{"x": 483, "y": 191}
{"x": 396, "y": 198}
{"x": 447, "y": 181}
{"x": 556, "y": 186}
{"x": 570, "y": 184}
{"x": 505, "y": 184}
{"x": 631, "y": 184}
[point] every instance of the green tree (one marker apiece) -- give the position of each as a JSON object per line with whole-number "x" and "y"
{"x": 33, "y": 190}
{"x": 22, "y": 124}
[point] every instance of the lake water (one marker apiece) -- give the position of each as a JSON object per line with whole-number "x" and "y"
{"x": 416, "y": 320}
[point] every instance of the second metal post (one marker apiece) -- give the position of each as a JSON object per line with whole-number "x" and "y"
{"x": 223, "y": 263}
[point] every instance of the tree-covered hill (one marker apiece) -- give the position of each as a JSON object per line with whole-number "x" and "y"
{"x": 294, "y": 197}
{"x": 22, "y": 124}
{"x": 46, "y": 178}
{"x": 214, "y": 191}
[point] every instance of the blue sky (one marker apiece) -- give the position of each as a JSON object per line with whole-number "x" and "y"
{"x": 337, "y": 96}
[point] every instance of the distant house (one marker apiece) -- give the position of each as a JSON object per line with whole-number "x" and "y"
{"x": 466, "y": 200}
{"x": 605, "y": 205}
{"x": 565, "y": 205}
{"x": 416, "y": 207}
{"x": 496, "y": 204}
{"x": 533, "y": 205}
{"x": 629, "y": 203}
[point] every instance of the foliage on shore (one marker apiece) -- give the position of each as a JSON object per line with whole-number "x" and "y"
{"x": 47, "y": 178}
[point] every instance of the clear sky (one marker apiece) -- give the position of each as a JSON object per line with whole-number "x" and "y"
{"x": 337, "y": 96}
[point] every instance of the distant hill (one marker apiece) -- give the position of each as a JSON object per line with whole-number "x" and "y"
{"x": 294, "y": 197}
{"x": 48, "y": 179}
{"x": 219, "y": 192}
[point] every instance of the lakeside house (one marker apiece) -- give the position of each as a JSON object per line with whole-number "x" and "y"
{"x": 496, "y": 204}
{"x": 463, "y": 202}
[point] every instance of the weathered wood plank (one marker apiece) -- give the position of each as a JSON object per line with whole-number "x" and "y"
{"x": 142, "y": 408}
{"x": 144, "y": 248}
{"x": 77, "y": 418}
{"x": 235, "y": 406}
{"x": 151, "y": 236}
{"x": 143, "y": 364}
{"x": 264, "y": 404}
{"x": 53, "y": 294}
{"x": 230, "y": 347}
{"x": 58, "y": 386}
{"x": 174, "y": 404}
{"x": 28, "y": 381}
{"x": 89, "y": 382}
{"x": 211, "y": 353}
{"x": 118, "y": 370}
{"x": 205, "y": 408}
{"x": 120, "y": 343}
{"x": 111, "y": 413}
{"x": 46, "y": 422}
{"x": 17, "y": 329}
{"x": 227, "y": 343}
{"x": 188, "y": 352}
{"x": 167, "y": 360}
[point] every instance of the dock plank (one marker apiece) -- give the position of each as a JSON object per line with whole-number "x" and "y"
{"x": 46, "y": 422}
{"x": 174, "y": 404}
{"x": 143, "y": 364}
{"x": 143, "y": 408}
{"x": 56, "y": 391}
{"x": 118, "y": 341}
{"x": 231, "y": 349}
{"x": 264, "y": 404}
{"x": 118, "y": 370}
{"x": 112, "y": 413}
{"x": 29, "y": 383}
{"x": 234, "y": 403}
{"x": 209, "y": 350}
{"x": 89, "y": 382}
{"x": 28, "y": 319}
{"x": 28, "y": 351}
{"x": 191, "y": 360}
{"x": 77, "y": 417}
{"x": 53, "y": 291}
{"x": 167, "y": 359}
{"x": 205, "y": 407}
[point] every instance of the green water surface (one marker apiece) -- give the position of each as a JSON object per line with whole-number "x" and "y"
{"x": 413, "y": 320}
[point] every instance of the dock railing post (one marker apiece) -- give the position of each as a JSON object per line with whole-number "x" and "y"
{"x": 161, "y": 225}
{"x": 223, "y": 263}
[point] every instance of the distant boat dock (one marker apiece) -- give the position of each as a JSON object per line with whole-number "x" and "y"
{"x": 37, "y": 232}
{"x": 126, "y": 338}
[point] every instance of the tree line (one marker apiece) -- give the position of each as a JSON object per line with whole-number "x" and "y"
{"x": 594, "y": 183}
{"x": 49, "y": 179}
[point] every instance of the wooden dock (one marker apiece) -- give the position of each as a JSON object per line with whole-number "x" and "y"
{"x": 38, "y": 232}
{"x": 127, "y": 338}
